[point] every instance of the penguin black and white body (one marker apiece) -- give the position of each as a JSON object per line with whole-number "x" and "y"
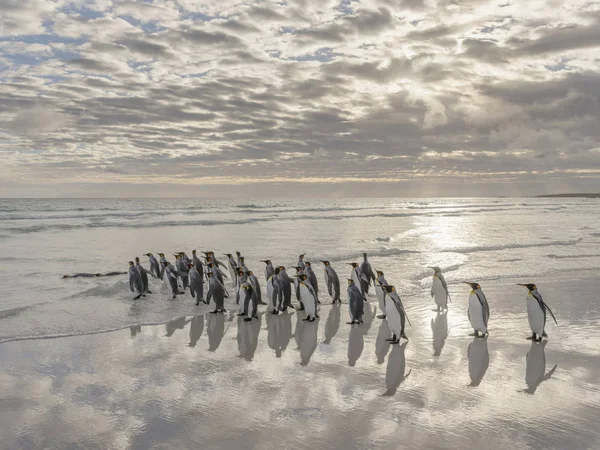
{"x": 253, "y": 280}
{"x": 310, "y": 274}
{"x": 269, "y": 269}
{"x": 479, "y": 310}
{"x": 359, "y": 279}
{"x": 154, "y": 266}
{"x": 380, "y": 281}
{"x": 232, "y": 268}
{"x": 144, "y": 274}
{"x": 439, "y": 289}
{"x": 170, "y": 277}
{"x": 301, "y": 261}
{"x": 285, "y": 284}
{"x": 196, "y": 284}
{"x": 395, "y": 314}
{"x": 332, "y": 281}
{"x": 135, "y": 281}
{"x": 186, "y": 258}
{"x": 163, "y": 264}
{"x": 536, "y": 312}
{"x": 198, "y": 263}
{"x": 299, "y": 271}
{"x": 355, "y": 303}
{"x": 216, "y": 293}
{"x": 250, "y": 305}
{"x": 308, "y": 297}
{"x": 367, "y": 270}
{"x": 274, "y": 292}
{"x": 243, "y": 266}
{"x": 215, "y": 270}
{"x": 241, "y": 281}
{"x": 238, "y": 256}
{"x": 182, "y": 269}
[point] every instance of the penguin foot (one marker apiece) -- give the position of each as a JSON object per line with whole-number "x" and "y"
{"x": 390, "y": 339}
{"x": 174, "y": 296}
{"x": 148, "y": 292}
{"x": 241, "y": 314}
{"x": 135, "y": 298}
{"x": 397, "y": 341}
{"x": 319, "y": 302}
{"x": 213, "y": 312}
{"x": 531, "y": 338}
{"x": 544, "y": 334}
{"x": 351, "y": 323}
{"x": 381, "y": 316}
{"x": 261, "y": 303}
{"x": 197, "y": 303}
{"x": 181, "y": 293}
{"x": 474, "y": 333}
{"x": 306, "y": 319}
{"x": 312, "y": 320}
{"x": 143, "y": 295}
{"x": 247, "y": 319}
{"x": 301, "y": 308}
{"x": 274, "y": 312}
{"x": 404, "y": 336}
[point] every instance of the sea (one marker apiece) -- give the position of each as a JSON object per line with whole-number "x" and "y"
{"x": 471, "y": 239}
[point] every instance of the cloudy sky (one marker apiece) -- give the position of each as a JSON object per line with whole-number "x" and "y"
{"x": 299, "y": 97}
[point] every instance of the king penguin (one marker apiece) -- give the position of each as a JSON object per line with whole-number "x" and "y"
{"x": 196, "y": 284}
{"x": 333, "y": 282}
{"x": 154, "y": 266}
{"x": 359, "y": 279}
{"x": 380, "y": 281}
{"x": 479, "y": 310}
{"x": 536, "y": 312}
{"x": 308, "y": 297}
{"x": 367, "y": 270}
{"x": 232, "y": 268}
{"x": 135, "y": 281}
{"x": 216, "y": 293}
{"x": 299, "y": 271}
{"x": 395, "y": 314}
{"x": 274, "y": 292}
{"x": 355, "y": 303}
{"x": 301, "y": 261}
{"x": 439, "y": 289}
{"x": 310, "y": 274}
{"x": 269, "y": 269}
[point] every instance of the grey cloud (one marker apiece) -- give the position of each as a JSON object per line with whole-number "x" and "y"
{"x": 561, "y": 39}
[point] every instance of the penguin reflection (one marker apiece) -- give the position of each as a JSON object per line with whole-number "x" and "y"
{"x": 279, "y": 332}
{"x": 306, "y": 338}
{"x": 439, "y": 327}
{"x": 333, "y": 322}
{"x": 248, "y": 337}
{"x": 196, "y": 328}
{"x": 356, "y": 344}
{"x": 535, "y": 371}
{"x": 215, "y": 328}
{"x": 479, "y": 360}
{"x": 174, "y": 325}
{"x": 394, "y": 375}
{"x": 382, "y": 346}
{"x": 135, "y": 329}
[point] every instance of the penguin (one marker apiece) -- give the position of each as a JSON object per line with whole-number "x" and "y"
{"x": 216, "y": 292}
{"x": 170, "y": 277}
{"x": 239, "y": 289}
{"x": 186, "y": 258}
{"x": 273, "y": 292}
{"x": 396, "y": 315}
{"x": 367, "y": 270}
{"x": 253, "y": 280}
{"x": 479, "y": 310}
{"x": 135, "y": 281}
{"x": 312, "y": 278}
{"x": 359, "y": 279}
{"x": 144, "y": 274}
{"x": 309, "y": 299}
{"x": 182, "y": 269}
{"x": 197, "y": 263}
{"x": 243, "y": 264}
{"x": 269, "y": 269}
{"x": 232, "y": 268}
{"x": 196, "y": 284}
{"x": 333, "y": 282}
{"x": 163, "y": 264}
{"x": 249, "y": 304}
{"x": 355, "y": 303}
{"x": 285, "y": 285}
{"x": 299, "y": 271}
{"x": 536, "y": 312}
{"x": 215, "y": 260}
{"x": 215, "y": 270}
{"x": 439, "y": 289}
{"x": 238, "y": 255}
{"x": 380, "y": 281}
{"x": 154, "y": 266}
{"x": 301, "y": 261}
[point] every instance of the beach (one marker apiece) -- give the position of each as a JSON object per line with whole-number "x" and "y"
{"x": 212, "y": 381}
{"x": 84, "y": 366}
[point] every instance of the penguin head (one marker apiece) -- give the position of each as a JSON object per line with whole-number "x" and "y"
{"x": 241, "y": 258}
{"x": 176, "y": 255}
{"x": 379, "y": 273}
{"x": 228, "y": 255}
{"x": 137, "y": 259}
{"x": 298, "y": 269}
{"x": 66, "y": 276}
{"x": 281, "y": 268}
{"x": 530, "y": 286}
{"x": 210, "y": 264}
{"x": 325, "y": 262}
{"x": 302, "y": 256}
{"x": 277, "y": 271}
{"x": 248, "y": 273}
{"x": 307, "y": 263}
{"x": 130, "y": 263}
{"x": 266, "y": 261}
{"x": 167, "y": 263}
{"x": 247, "y": 287}
{"x": 240, "y": 271}
{"x": 353, "y": 264}
{"x": 350, "y": 281}
{"x": 302, "y": 277}
{"x": 436, "y": 269}
{"x": 194, "y": 252}
{"x": 190, "y": 266}
{"x": 208, "y": 259}
{"x": 474, "y": 286}
{"x": 148, "y": 254}
{"x": 210, "y": 274}
{"x": 238, "y": 253}
{"x": 162, "y": 255}
{"x": 388, "y": 288}
{"x": 364, "y": 255}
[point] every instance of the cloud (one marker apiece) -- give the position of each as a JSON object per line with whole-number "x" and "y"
{"x": 120, "y": 92}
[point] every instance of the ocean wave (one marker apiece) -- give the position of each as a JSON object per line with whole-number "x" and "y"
{"x": 595, "y": 234}
{"x": 6, "y": 313}
{"x": 429, "y": 273}
{"x": 553, "y": 256}
{"x": 382, "y": 239}
{"x": 493, "y": 248}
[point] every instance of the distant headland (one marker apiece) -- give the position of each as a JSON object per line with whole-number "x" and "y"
{"x": 569, "y": 195}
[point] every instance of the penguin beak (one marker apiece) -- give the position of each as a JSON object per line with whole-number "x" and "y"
{"x": 519, "y": 284}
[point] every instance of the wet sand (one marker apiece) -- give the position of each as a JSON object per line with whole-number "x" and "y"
{"x": 214, "y": 382}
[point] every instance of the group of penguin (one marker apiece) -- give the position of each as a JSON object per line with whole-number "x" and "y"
{"x": 192, "y": 273}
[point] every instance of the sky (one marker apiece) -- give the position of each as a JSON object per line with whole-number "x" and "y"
{"x": 303, "y": 98}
